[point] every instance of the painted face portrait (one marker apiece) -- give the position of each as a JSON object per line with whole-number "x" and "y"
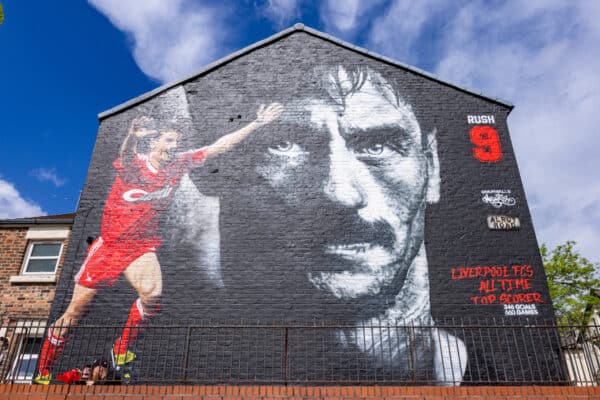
{"x": 165, "y": 146}
{"x": 378, "y": 172}
{"x": 337, "y": 197}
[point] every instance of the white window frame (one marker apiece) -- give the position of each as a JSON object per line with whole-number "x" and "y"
{"x": 25, "y": 330}
{"x": 29, "y": 358}
{"x": 29, "y": 257}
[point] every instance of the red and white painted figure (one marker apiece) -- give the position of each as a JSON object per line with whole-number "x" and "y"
{"x": 143, "y": 188}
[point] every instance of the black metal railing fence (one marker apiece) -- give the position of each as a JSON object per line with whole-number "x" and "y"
{"x": 497, "y": 352}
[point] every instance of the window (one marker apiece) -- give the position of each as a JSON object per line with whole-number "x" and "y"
{"x": 25, "y": 337}
{"x": 42, "y": 257}
{"x": 24, "y": 365}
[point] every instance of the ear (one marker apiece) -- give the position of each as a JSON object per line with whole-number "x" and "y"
{"x": 433, "y": 168}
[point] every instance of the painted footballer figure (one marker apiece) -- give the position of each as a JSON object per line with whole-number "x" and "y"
{"x": 144, "y": 186}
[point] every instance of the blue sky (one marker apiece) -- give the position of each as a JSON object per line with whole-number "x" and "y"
{"x": 62, "y": 63}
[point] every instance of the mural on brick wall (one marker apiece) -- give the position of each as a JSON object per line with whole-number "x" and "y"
{"x": 144, "y": 186}
{"x": 312, "y": 205}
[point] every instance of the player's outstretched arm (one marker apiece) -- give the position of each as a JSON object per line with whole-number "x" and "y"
{"x": 264, "y": 116}
{"x": 139, "y": 128}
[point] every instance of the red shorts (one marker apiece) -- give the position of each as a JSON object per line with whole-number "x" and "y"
{"x": 105, "y": 262}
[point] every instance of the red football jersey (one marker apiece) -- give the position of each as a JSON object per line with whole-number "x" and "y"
{"x": 140, "y": 192}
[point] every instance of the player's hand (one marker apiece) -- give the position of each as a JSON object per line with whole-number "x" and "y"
{"x": 139, "y": 127}
{"x": 267, "y": 114}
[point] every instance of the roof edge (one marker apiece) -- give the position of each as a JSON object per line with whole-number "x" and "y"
{"x": 56, "y": 219}
{"x": 35, "y": 221}
{"x": 296, "y": 27}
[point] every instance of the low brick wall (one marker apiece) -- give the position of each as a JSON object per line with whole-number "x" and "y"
{"x": 73, "y": 392}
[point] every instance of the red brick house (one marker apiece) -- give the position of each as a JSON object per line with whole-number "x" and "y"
{"x": 31, "y": 257}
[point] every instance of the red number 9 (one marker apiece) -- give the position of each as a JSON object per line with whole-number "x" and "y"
{"x": 488, "y": 143}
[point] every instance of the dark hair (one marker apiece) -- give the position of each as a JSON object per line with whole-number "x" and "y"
{"x": 100, "y": 362}
{"x": 337, "y": 81}
{"x": 144, "y": 122}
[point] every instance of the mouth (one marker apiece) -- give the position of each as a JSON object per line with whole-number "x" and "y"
{"x": 362, "y": 257}
{"x": 354, "y": 270}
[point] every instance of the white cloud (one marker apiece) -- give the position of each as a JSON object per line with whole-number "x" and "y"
{"x": 346, "y": 17}
{"x": 395, "y": 32}
{"x": 281, "y": 12}
{"x": 543, "y": 57}
{"x": 48, "y": 175}
{"x": 13, "y": 205}
{"x": 171, "y": 39}
{"x": 342, "y": 18}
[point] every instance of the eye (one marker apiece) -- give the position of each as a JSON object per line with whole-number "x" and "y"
{"x": 374, "y": 150}
{"x": 380, "y": 143}
{"x": 286, "y": 148}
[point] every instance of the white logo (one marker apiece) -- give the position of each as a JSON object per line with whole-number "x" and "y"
{"x": 133, "y": 195}
{"x": 139, "y": 195}
{"x": 498, "y": 198}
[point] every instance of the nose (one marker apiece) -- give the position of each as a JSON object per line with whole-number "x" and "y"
{"x": 343, "y": 184}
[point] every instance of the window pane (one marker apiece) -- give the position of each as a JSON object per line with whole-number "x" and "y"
{"x": 33, "y": 345}
{"x": 45, "y": 250}
{"x": 26, "y": 367}
{"x": 27, "y": 358}
{"x": 40, "y": 266}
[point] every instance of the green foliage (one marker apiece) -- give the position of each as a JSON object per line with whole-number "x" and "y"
{"x": 1, "y": 14}
{"x": 572, "y": 283}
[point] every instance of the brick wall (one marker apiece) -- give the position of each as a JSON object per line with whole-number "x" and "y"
{"x": 22, "y": 392}
{"x": 22, "y": 300}
{"x": 267, "y": 241}
{"x": 317, "y": 216}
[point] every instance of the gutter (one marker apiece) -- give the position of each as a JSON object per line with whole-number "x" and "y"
{"x": 8, "y": 223}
